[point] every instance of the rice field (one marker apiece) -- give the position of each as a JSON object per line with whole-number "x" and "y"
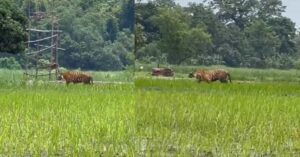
{"x": 152, "y": 117}
{"x": 184, "y": 118}
{"x": 75, "y": 120}
{"x": 15, "y": 78}
{"x": 240, "y": 74}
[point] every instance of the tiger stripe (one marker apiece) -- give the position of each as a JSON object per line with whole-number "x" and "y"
{"x": 76, "y": 77}
{"x": 210, "y": 76}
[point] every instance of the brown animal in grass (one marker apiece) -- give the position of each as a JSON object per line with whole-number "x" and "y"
{"x": 210, "y": 76}
{"x": 162, "y": 72}
{"x": 76, "y": 77}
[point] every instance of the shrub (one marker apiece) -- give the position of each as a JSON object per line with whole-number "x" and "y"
{"x": 9, "y": 63}
{"x": 297, "y": 64}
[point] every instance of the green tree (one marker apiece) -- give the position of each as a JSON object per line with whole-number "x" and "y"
{"x": 12, "y": 28}
{"x": 127, "y": 15}
{"x": 239, "y": 12}
{"x": 164, "y": 3}
{"x": 263, "y": 41}
{"x": 270, "y": 8}
{"x": 194, "y": 42}
{"x": 286, "y": 31}
{"x": 90, "y": 28}
{"x": 172, "y": 26}
{"x": 112, "y": 29}
{"x": 204, "y": 17}
{"x": 139, "y": 37}
{"x": 9, "y": 63}
{"x": 296, "y": 40}
{"x": 143, "y": 14}
{"x": 235, "y": 46}
{"x": 178, "y": 41}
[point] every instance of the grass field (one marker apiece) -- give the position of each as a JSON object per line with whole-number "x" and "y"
{"x": 183, "y": 118}
{"x": 78, "y": 120}
{"x": 154, "y": 117}
{"x": 16, "y": 77}
{"x": 239, "y": 74}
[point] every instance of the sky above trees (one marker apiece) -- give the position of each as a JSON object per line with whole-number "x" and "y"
{"x": 292, "y": 10}
{"x": 246, "y": 34}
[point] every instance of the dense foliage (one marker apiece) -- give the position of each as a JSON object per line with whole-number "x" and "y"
{"x": 248, "y": 33}
{"x": 12, "y": 28}
{"x": 9, "y": 63}
{"x": 97, "y": 34}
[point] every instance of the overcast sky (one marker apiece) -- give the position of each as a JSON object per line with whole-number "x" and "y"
{"x": 292, "y": 8}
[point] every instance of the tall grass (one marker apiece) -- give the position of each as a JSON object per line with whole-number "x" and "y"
{"x": 10, "y": 77}
{"x": 151, "y": 118}
{"x": 184, "y": 118}
{"x": 17, "y": 77}
{"x": 241, "y": 74}
{"x": 73, "y": 120}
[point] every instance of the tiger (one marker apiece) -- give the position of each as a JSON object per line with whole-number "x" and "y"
{"x": 75, "y": 77}
{"x": 210, "y": 76}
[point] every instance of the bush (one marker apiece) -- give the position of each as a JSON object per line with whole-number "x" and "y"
{"x": 297, "y": 64}
{"x": 207, "y": 60}
{"x": 111, "y": 62}
{"x": 255, "y": 62}
{"x": 281, "y": 61}
{"x": 9, "y": 63}
{"x": 148, "y": 51}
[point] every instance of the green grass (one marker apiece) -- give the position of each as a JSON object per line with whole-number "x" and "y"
{"x": 184, "y": 118}
{"x": 16, "y": 77}
{"x": 238, "y": 74}
{"x": 154, "y": 117}
{"x": 75, "y": 120}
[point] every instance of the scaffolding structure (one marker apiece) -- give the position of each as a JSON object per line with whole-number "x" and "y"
{"x": 42, "y": 45}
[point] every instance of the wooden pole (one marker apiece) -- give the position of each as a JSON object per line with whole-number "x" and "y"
{"x": 56, "y": 47}
{"x": 28, "y": 44}
{"x": 37, "y": 58}
{"x": 52, "y": 43}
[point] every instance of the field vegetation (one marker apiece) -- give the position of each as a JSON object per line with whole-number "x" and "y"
{"x": 237, "y": 74}
{"x": 16, "y": 77}
{"x": 257, "y": 115}
{"x": 158, "y": 117}
{"x": 184, "y": 118}
{"x": 75, "y": 120}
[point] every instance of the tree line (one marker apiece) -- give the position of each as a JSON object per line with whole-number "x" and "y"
{"x": 111, "y": 35}
{"x": 236, "y": 33}
{"x": 97, "y": 34}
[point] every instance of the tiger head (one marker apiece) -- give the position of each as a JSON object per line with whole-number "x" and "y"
{"x": 60, "y": 77}
{"x": 195, "y": 73}
{"x": 192, "y": 74}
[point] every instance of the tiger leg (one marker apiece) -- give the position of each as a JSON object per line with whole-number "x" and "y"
{"x": 223, "y": 81}
{"x": 86, "y": 82}
{"x": 229, "y": 78}
{"x": 198, "y": 80}
{"x": 90, "y": 80}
